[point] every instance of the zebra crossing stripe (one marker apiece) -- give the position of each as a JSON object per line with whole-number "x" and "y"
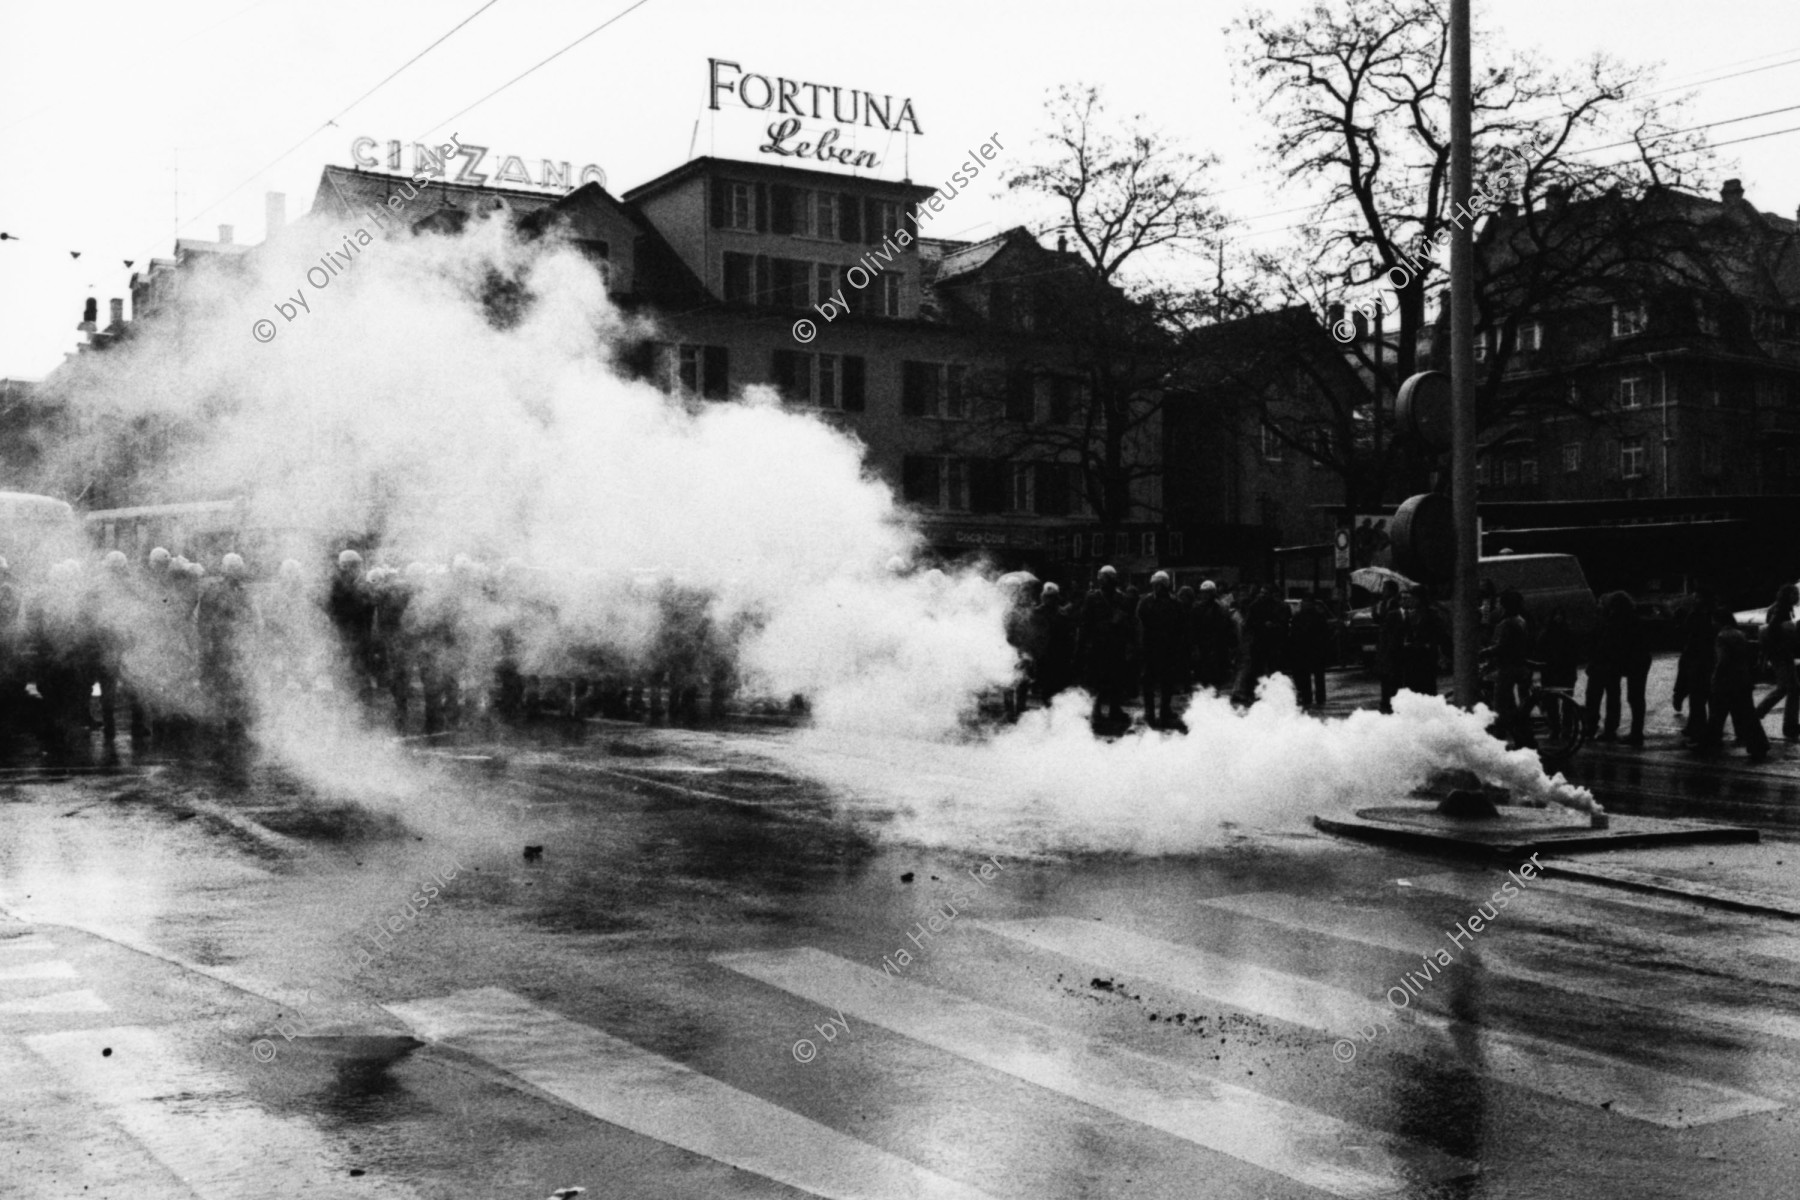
{"x": 80, "y": 1001}
{"x": 659, "y": 1098}
{"x": 1308, "y": 1147}
{"x": 1536, "y": 1064}
{"x": 20, "y": 945}
{"x": 52, "y": 969}
{"x": 1620, "y": 984}
{"x": 200, "y": 1126}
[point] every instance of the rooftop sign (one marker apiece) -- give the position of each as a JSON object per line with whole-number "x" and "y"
{"x": 796, "y": 100}
{"x": 511, "y": 172}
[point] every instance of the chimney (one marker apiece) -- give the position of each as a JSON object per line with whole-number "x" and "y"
{"x": 118, "y": 311}
{"x": 224, "y": 235}
{"x": 1732, "y": 192}
{"x": 1062, "y": 243}
{"x": 274, "y": 213}
{"x": 90, "y": 313}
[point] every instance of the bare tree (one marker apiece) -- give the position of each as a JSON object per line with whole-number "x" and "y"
{"x": 1123, "y": 202}
{"x": 1357, "y": 93}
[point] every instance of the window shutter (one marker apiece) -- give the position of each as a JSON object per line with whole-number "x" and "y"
{"x": 1020, "y": 404}
{"x": 852, "y": 383}
{"x": 762, "y": 208}
{"x": 872, "y": 231}
{"x": 737, "y": 276}
{"x": 781, "y": 215}
{"x": 918, "y": 387}
{"x": 787, "y": 372}
{"x": 919, "y": 479}
{"x": 781, "y": 282}
{"x": 1050, "y": 490}
{"x": 639, "y": 362}
{"x": 718, "y": 191}
{"x": 850, "y": 222}
{"x": 987, "y": 485}
{"x": 716, "y": 381}
{"x": 762, "y": 295}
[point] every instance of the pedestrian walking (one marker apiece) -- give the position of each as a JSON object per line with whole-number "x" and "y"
{"x": 1693, "y": 670}
{"x": 1734, "y": 671}
{"x": 1427, "y": 636}
{"x": 1309, "y": 652}
{"x": 1390, "y": 641}
{"x": 1621, "y": 656}
{"x": 1778, "y": 649}
{"x": 1509, "y": 657}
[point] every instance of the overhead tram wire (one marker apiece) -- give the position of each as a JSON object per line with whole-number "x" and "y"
{"x": 333, "y": 119}
{"x": 515, "y": 79}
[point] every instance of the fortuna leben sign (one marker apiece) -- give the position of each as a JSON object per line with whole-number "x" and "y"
{"x": 784, "y": 95}
{"x": 429, "y": 163}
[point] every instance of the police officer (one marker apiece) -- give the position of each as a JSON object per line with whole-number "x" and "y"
{"x": 352, "y": 614}
{"x": 1105, "y": 639}
{"x": 1163, "y": 634}
{"x": 228, "y": 626}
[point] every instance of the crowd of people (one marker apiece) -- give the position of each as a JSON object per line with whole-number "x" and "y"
{"x": 1117, "y": 643}
{"x": 1715, "y": 675}
{"x": 168, "y": 649}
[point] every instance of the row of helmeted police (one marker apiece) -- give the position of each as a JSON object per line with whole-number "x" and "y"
{"x": 1115, "y": 641}
{"x": 172, "y": 648}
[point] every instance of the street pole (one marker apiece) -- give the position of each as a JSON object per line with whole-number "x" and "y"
{"x": 1464, "y": 622}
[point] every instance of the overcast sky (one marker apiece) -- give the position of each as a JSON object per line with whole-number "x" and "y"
{"x": 99, "y": 101}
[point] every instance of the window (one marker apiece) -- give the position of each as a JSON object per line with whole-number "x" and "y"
{"x": 921, "y": 479}
{"x": 890, "y": 295}
{"x": 823, "y": 211}
{"x": 740, "y": 278}
{"x": 1481, "y": 344}
{"x": 1528, "y": 471}
{"x": 1531, "y": 337}
{"x": 1484, "y": 469}
{"x": 1121, "y": 545}
{"x": 1022, "y": 495}
{"x": 741, "y": 208}
{"x": 1175, "y": 540}
{"x": 1271, "y": 444}
{"x": 1021, "y": 397}
{"x": 821, "y": 380}
{"x": 887, "y": 219}
{"x": 1631, "y": 458}
{"x": 1628, "y": 320}
{"x": 827, "y": 278}
{"x": 1321, "y": 447}
{"x": 1149, "y": 545}
{"x": 1075, "y": 546}
{"x": 1064, "y": 395}
{"x": 1712, "y": 459}
{"x": 934, "y": 390}
{"x": 702, "y": 371}
{"x": 1509, "y": 472}
{"x": 1631, "y": 391}
{"x": 956, "y": 483}
{"x": 956, "y": 397}
{"x": 1571, "y": 458}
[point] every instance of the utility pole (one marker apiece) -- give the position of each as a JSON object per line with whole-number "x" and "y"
{"x": 1464, "y": 623}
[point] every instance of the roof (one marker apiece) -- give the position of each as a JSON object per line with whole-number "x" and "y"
{"x": 969, "y": 256}
{"x": 349, "y": 189}
{"x": 706, "y": 164}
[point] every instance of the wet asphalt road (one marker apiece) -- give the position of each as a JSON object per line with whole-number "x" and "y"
{"x": 713, "y": 983}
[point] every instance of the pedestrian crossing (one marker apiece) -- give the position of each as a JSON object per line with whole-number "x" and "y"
{"x": 1301, "y": 962}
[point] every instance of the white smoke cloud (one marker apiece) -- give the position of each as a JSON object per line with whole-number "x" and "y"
{"x": 393, "y": 406}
